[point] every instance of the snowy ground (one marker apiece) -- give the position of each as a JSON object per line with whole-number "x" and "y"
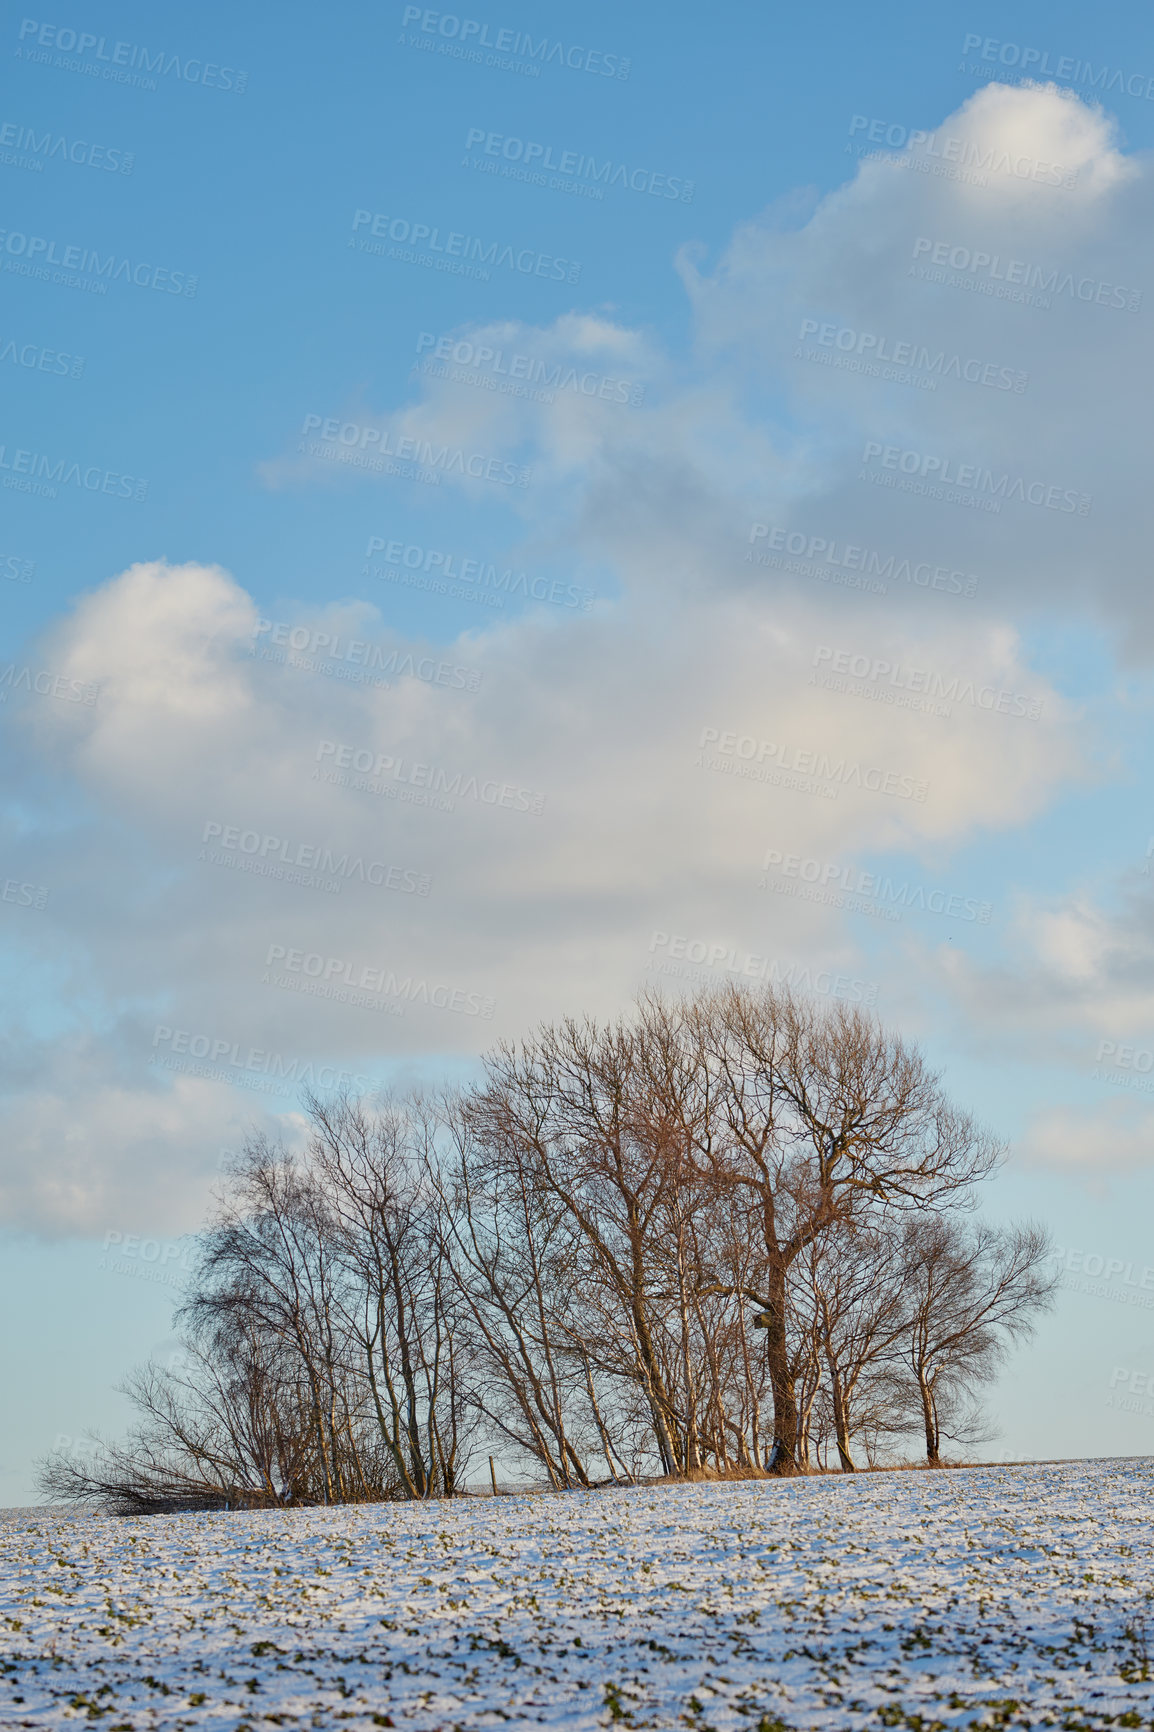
{"x": 987, "y": 1597}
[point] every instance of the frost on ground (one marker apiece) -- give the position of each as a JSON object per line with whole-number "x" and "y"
{"x": 984, "y": 1597}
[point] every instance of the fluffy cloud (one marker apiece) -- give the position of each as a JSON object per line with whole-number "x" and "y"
{"x": 205, "y": 771}
{"x": 1094, "y": 1143}
{"x": 1075, "y": 971}
{"x": 969, "y": 303}
{"x": 568, "y": 785}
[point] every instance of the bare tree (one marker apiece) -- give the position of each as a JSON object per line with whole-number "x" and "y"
{"x": 566, "y": 1101}
{"x": 971, "y": 1292}
{"x": 815, "y": 1117}
{"x": 513, "y": 1251}
{"x": 230, "y": 1428}
{"x": 856, "y": 1304}
{"x": 270, "y": 1262}
{"x": 399, "y": 1303}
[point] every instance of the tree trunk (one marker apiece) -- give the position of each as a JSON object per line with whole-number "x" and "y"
{"x": 691, "y": 1447}
{"x": 784, "y": 1458}
{"x": 930, "y": 1418}
{"x": 840, "y": 1424}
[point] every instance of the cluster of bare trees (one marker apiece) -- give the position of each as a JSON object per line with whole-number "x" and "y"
{"x": 726, "y": 1233}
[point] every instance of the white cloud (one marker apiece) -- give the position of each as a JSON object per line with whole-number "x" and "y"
{"x": 1076, "y": 970}
{"x": 1115, "y": 1137}
{"x": 86, "y": 1155}
{"x": 750, "y": 423}
{"x": 601, "y": 714}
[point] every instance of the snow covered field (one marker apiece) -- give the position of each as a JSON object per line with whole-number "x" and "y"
{"x": 986, "y": 1597}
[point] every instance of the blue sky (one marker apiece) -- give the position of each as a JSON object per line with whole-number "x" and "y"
{"x": 556, "y": 622}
